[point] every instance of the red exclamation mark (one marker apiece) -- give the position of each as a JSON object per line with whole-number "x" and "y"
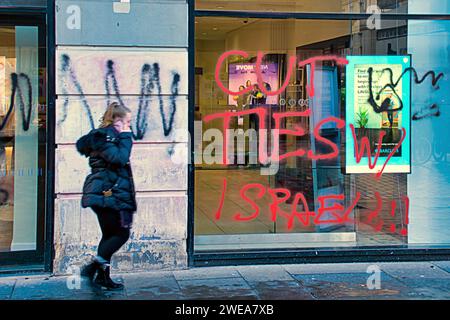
{"x": 404, "y": 230}
{"x": 374, "y": 213}
{"x": 393, "y": 207}
{"x": 222, "y": 198}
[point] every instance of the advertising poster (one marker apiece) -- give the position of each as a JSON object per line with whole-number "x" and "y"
{"x": 243, "y": 75}
{"x": 378, "y": 90}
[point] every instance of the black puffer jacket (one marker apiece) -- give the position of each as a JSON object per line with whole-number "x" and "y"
{"x": 110, "y": 183}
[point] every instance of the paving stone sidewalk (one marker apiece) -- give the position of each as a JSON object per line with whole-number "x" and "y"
{"x": 399, "y": 280}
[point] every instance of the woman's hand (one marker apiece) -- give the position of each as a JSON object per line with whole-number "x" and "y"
{"x": 119, "y": 125}
{"x": 126, "y": 127}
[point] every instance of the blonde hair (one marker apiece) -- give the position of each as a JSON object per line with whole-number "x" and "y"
{"x": 113, "y": 111}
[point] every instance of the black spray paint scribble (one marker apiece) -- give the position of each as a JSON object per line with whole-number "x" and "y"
{"x": 67, "y": 70}
{"x": 392, "y": 85}
{"x": 433, "y": 111}
{"x": 150, "y": 80}
{"x": 4, "y": 196}
{"x": 25, "y": 103}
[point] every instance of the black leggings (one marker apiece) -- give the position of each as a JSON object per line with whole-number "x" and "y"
{"x": 114, "y": 235}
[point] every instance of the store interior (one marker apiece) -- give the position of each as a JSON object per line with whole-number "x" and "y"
{"x": 22, "y": 137}
{"x": 279, "y": 39}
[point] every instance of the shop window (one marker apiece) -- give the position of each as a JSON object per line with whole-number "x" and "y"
{"x": 22, "y": 138}
{"x": 336, "y": 92}
{"x": 25, "y": 3}
{"x": 329, "y": 6}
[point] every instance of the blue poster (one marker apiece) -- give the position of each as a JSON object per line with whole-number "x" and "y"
{"x": 378, "y": 114}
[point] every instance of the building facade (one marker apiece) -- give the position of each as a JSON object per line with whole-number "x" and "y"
{"x": 252, "y": 123}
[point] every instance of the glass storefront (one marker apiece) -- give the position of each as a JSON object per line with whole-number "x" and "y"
{"x": 22, "y": 137}
{"x": 328, "y": 6}
{"x": 286, "y": 111}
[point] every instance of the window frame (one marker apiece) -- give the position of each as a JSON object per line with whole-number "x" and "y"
{"x": 309, "y": 255}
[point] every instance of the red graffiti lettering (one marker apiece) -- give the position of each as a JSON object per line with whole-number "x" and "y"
{"x": 226, "y": 116}
{"x": 378, "y": 208}
{"x": 339, "y": 214}
{"x": 404, "y": 230}
{"x": 397, "y": 146}
{"x": 274, "y": 209}
{"x": 299, "y": 131}
{"x": 335, "y": 153}
{"x": 377, "y": 222}
{"x": 303, "y": 216}
{"x": 219, "y": 65}
{"x": 312, "y": 63}
{"x": 259, "y": 78}
{"x": 365, "y": 146}
{"x": 222, "y": 199}
{"x": 291, "y": 63}
{"x": 337, "y": 210}
{"x": 393, "y": 207}
{"x": 277, "y": 132}
{"x": 262, "y": 190}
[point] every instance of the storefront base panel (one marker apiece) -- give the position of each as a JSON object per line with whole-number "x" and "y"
{"x": 206, "y": 259}
{"x": 22, "y": 270}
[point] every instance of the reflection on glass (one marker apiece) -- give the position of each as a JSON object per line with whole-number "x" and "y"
{"x": 239, "y": 207}
{"x": 329, "y": 6}
{"x": 20, "y": 154}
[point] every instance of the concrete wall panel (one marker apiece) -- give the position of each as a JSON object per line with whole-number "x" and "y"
{"x": 154, "y": 168}
{"x": 148, "y": 23}
{"x": 122, "y": 71}
{"x": 157, "y": 238}
{"x": 150, "y": 123}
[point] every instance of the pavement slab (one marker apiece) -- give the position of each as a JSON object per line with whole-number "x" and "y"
{"x": 228, "y": 288}
{"x": 415, "y": 270}
{"x": 264, "y": 273}
{"x": 444, "y": 265}
{"x": 281, "y": 290}
{"x": 316, "y": 268}
{"x": 207, "y": 273}
{"x": 6, "y": 288}
{"x": 353, "y": 286}
{"x": 49, "y": 288}
{"x": 398, "y": 280}
{"x": 153, "y": 287}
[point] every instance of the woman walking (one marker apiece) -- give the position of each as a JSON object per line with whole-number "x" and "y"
{"x": 109, "y": 189}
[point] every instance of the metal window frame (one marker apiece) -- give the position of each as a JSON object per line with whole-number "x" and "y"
{"x": 310, "y": 255}
{"x": 35, "y": 261}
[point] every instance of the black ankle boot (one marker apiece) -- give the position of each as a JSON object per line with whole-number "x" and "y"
{"x": 90, "y": 270}
{"x": 103, "y": 279}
